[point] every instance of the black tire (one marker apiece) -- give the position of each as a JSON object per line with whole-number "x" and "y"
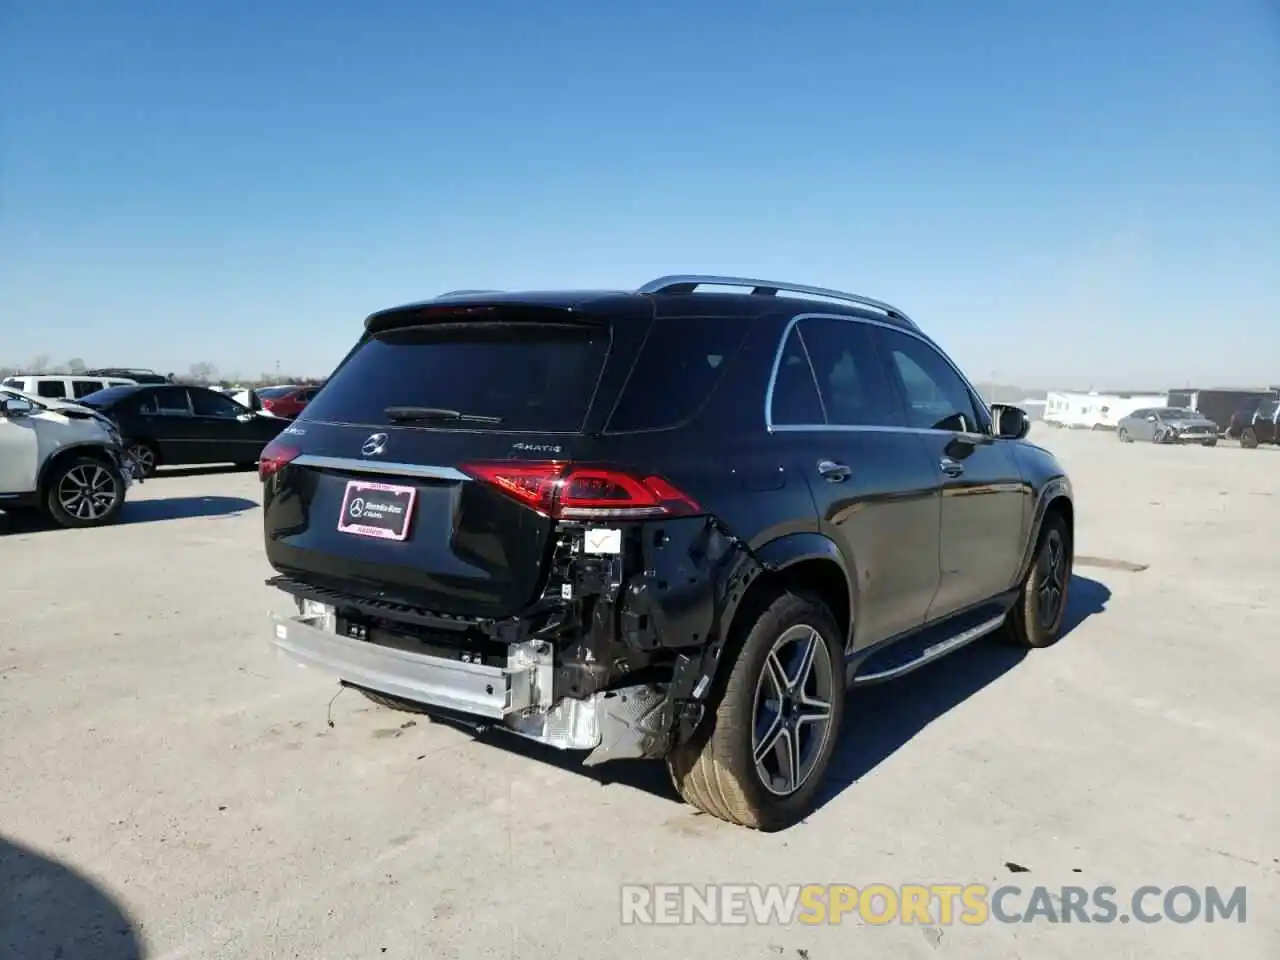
{"x": 1123, "y": 434}
{"x": 1026, "y": 626}
{"x": 1211, "y": 443}
{"x": 1249, "y": 438}
{"x": 84, "y": 492}
{"x": 717, "y": 771}
{"x": 145, "y": 455}
{"x": 393, "y": 703}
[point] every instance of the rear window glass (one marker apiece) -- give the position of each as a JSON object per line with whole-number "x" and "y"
{"x": 678, "y": 367}
{"x": 533, "y": 376}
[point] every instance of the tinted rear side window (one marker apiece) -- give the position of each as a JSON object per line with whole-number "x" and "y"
{"x": 51, "y": 388}
{"x": 83, "y": 388}
{"x": 534, "y": 376}
{"x": 679, "y": 365}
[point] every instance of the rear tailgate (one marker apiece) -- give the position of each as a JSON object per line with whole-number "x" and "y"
{"x": 362, "y": 501}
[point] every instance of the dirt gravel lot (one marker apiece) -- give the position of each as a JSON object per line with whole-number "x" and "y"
{"x": 170, "y": 788}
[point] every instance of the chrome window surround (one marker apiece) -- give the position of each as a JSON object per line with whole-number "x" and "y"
{"x": 974, "y": 395}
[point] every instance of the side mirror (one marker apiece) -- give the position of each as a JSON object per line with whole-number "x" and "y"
{"x": 1151, "y": 419}
{"x": 13, "y": 407}
{"x": 1011, "y": 423}
{"x": 245, "y": 417}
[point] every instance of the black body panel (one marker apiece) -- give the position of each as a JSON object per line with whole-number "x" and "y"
{"x": 836, "y": 463}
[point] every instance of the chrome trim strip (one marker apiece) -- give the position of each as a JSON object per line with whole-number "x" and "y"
{"x": 663, "y": 284}
{"x": 777, "y": 362}
{"x": 424, "y": 470}
{"x": 939, "y": 649}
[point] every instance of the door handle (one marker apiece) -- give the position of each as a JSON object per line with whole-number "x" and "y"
{"x": 833, "y": 472}
{"x": 952, "y": 468}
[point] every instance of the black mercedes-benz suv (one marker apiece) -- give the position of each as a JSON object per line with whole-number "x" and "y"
{"x": 677, "y": 522}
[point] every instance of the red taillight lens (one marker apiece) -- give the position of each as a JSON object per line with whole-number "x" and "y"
{"x": 268, "y": 404}
{"x": 274, "y": 456}
{"x": 565, "y": 491}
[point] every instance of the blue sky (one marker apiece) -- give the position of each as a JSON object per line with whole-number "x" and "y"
{"x": 1061, "y": 193}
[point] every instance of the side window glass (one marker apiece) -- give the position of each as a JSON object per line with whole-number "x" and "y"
{"x": 681, "y": 363}
{"x": 51, "y": 388}
{"x": 172, "y": 403}
{"x": 851, "y": 382}
{"x": 936, "y": 398}
{"x": 82, "y": 388}
{"x": 795, "y": 394}
{"x": 206, "y": 403}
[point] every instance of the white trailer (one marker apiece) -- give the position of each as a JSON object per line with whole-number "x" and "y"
{"x": 1094, "y": 410}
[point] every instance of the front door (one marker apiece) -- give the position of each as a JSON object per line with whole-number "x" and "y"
{"x": 231, "y": 433}
{"x": 876, "y": 494}
{"x": 985, "y": 503}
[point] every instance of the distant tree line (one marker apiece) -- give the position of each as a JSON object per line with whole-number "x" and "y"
{"x": 202, "y": 374}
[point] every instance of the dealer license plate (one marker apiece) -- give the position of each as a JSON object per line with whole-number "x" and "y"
{"x": 379, "y": 510}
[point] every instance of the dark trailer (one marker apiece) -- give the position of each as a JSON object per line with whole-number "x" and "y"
{"x": 1219, "y": 404}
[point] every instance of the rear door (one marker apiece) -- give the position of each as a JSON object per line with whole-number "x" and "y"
{"x": 376, "y": 501}
{"x": 231, "y": 433}
{"x": 166, "y": 419}
{"x": 875, "y": 490}
{"x": 985, "y": 503}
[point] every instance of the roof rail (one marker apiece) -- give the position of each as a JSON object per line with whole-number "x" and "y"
{"x": 466, "y": 293}
{"x": 681, "y": 283}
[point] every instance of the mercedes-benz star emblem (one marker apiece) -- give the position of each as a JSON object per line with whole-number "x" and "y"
{"x": 375, "y": 445}
{"x": 356, "y": 509}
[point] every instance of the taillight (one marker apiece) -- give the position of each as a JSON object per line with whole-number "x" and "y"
{"x": 274, "y": 456}
{"x": 565, "y": 491}
{"x": 268, "y": 404}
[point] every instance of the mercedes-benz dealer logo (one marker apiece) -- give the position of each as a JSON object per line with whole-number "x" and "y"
{"x": 356, "y": 509}
{"x": 375, "y": 445}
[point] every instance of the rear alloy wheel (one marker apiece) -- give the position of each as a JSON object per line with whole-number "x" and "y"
{"x": 1037, "y": 617}
{"x": 144, "y": 455}
{"x": 1123, "y": 434}
{"x": 84, "y": 492}
{"x": 760, "y": 759}
{"x": 1249, "y": 438}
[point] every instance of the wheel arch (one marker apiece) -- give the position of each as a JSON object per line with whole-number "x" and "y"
{"x": 1055, "y": 499}
{"x": 94, "y": 451}
{"x": 809, "y": 563}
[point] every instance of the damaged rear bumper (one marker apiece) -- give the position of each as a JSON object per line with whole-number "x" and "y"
{"x": 632, "y": 722}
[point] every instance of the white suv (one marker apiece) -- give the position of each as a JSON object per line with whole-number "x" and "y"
{"x": 61, "y": 458}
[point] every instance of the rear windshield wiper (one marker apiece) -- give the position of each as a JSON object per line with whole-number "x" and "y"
{"x": 422, "y": 414}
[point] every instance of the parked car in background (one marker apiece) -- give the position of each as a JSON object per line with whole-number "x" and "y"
{"x": 63, "y": 386}
{"x": 1255, "y": 423}
{"x": 1167, "y": 425}
{"x": 1217, "y": 404}
{"x": 284, "y": 401}
{"x": 173, "y": 425}
{"x": 62, "y": 460}
{"x": 666, "y": 523}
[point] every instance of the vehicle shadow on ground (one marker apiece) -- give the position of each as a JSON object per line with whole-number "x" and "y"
{"x": 140, "y": 511}
{"x": 50, "y": 910}
{"x": 879, "y": 720}
{"x": 183, "y": 508}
